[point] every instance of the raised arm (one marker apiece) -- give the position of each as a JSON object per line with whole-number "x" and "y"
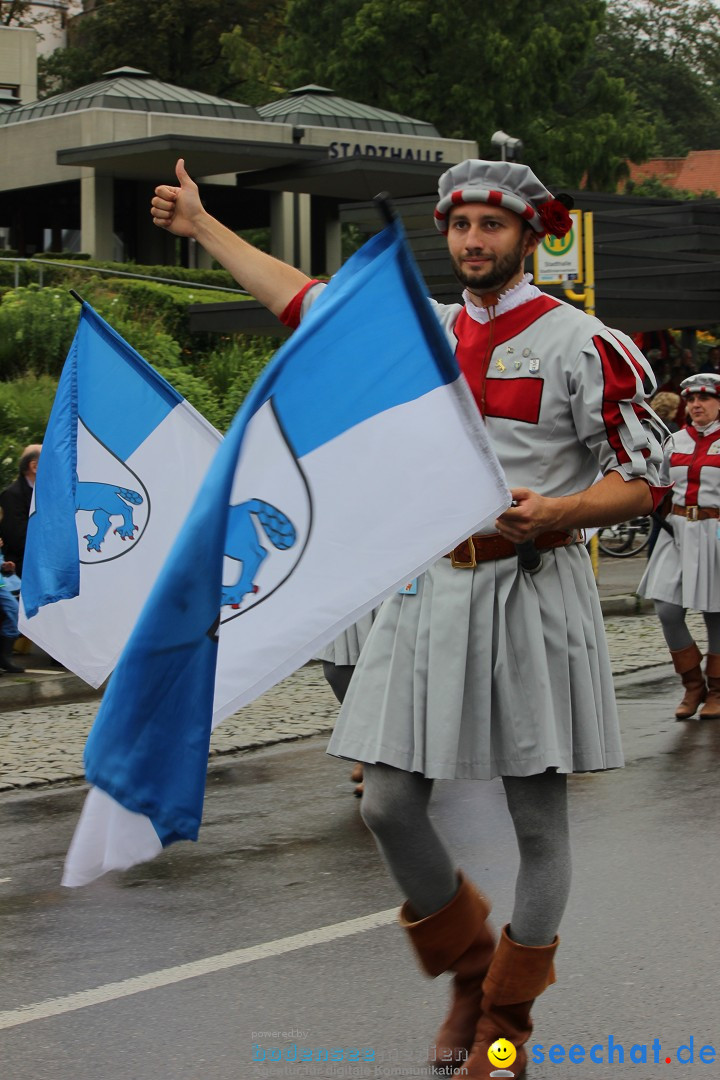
{"x": 180, "y": 211}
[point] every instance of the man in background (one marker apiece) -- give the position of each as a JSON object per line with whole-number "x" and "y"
{"x": 15, "y": 504}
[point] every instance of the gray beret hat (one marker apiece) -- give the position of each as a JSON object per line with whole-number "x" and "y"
{"x": 502, "y": 183}
{"x": 704, "y": 383}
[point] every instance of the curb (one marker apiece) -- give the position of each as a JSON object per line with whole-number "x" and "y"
{"x": 626, "y": 605}
{"x": 30, "y": 691}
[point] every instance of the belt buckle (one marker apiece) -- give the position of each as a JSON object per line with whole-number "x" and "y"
{"x": 464, "y": 565}
{"x": 691, "y": 513}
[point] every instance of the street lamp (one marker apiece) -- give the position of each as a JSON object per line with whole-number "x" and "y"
{"x": 510, "y": 148}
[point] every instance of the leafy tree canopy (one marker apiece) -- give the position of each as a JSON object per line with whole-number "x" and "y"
{"x": 178, "y": 43}
{"x": 668, "y": 53}
{"x": 524, "y": 66}
{"x": 586, "y": 86}
{"x": 15, "y": 13}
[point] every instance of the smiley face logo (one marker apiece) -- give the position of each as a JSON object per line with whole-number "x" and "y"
{"x": 502, "y": 1053}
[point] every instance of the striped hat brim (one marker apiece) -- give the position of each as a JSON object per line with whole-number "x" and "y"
{"x": 493, "y": 197}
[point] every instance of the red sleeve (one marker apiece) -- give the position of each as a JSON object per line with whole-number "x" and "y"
{"x": 658, "y": 493}
{"x": 291, "y": 315}
{"x": 619, "y": 385}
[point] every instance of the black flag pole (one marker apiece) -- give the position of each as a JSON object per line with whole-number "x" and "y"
{"x": 76, "y": 296}
{"x": 385, "y": 207}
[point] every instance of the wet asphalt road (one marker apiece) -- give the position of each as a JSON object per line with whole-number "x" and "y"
{"x": 283, "y": 852}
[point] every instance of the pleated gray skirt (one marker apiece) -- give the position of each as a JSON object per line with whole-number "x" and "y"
{"x": 487, "y": 672}
{"x": 684, "y": 568}
{"x": 346, "y": 647}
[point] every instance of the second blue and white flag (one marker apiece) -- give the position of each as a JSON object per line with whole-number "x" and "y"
{"x": 123, "y": 457}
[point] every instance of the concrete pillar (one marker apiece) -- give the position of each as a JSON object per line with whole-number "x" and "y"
{"x": 303, "y": 232}
{"x": 333, "y": 244}
{"x": 96, "y": 215}
{"x": 149, "y": 245}
{"x": 203, "y": 260}
{"x": 282, "y": 244}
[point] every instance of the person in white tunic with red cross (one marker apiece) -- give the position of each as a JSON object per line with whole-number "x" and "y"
{"x": 684, "y": 569}
{"x": 488, "y": 670}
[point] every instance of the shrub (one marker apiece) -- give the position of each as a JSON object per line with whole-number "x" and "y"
{"x": 214, "y": 372}
{"x": 25, "y": 406}
{"x": 221, "y": 278}
{"x": 65, "y": 256}
{"x": 36, "y": 328}
{"x": 165, "y": 306}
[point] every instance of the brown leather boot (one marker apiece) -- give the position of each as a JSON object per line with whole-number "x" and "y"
{"x": 687, "y": 664}
{"x": 711, "y": 708}
{"x": 518, "y": 974}
{"x": 457, "y": 938}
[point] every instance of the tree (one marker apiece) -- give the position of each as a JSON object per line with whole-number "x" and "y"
{"x": 254, "y": 68}
{"x": 653, "y": 188}
{"x": 520, "y": 65}
{"x": 668, "y": 53}
{"x": 587, "y": 139}
{"x": 15, "y": 13}
{"x": 177, "y": 43}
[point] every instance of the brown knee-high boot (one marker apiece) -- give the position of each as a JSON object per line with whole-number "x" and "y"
{"x": 518, "y": 974}
{"x": 711, "y": 708}
{"x": 687, "y": 664}
{"x": 457, "y": 938}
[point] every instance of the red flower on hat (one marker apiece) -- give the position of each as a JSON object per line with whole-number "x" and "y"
{"x": 555, "y": 217}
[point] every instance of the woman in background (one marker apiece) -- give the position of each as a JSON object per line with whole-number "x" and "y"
{"x": 684, "y": 568}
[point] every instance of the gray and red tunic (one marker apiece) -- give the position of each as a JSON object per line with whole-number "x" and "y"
{"x": 684, "y": 568}
{"x": 490, "y": 671}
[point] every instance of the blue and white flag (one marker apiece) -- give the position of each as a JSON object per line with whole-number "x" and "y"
{"x": 123, "y": 457}
{"x": 357, "y": 460}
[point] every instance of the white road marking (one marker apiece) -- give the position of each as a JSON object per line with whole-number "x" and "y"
{"x": 43, "y": 1010}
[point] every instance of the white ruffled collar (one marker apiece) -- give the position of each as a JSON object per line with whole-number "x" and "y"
{"x": 708, "y": 429}
{"x": 519, "y": 294}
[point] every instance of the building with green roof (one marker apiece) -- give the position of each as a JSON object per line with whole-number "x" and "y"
{"x": 84, "y": 164}
{"x": 320, "y": 107}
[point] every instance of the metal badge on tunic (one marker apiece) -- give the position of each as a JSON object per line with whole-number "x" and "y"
{"x": 534, "y": 365}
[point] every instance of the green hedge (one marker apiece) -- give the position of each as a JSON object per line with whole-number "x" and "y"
{"x": 25, "y": 407}
{"x": 214, "y": 372}
{"x": 151, "y": 302}
{"x": 221, "y": 278}
{"x": 36, "y": 328}
{"x": 65, "y": 256}
{"x": 31, "y": 271}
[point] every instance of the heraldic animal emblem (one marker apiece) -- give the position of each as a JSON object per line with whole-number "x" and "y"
{"x": 106, "y": 501}
{"x": 243, "y": 545}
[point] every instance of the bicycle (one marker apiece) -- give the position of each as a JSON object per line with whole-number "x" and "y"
{"x": 626, "y": 539}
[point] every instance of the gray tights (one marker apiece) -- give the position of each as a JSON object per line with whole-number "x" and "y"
{"x": 675, "y": 631}
{"x": 395, "y": 809}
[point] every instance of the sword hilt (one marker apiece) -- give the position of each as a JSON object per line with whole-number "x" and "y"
{"x": 529, "y": 557}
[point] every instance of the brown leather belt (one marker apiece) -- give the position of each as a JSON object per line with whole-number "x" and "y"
{"x": 695, "y": 513}
{"x": 481, "y": 548}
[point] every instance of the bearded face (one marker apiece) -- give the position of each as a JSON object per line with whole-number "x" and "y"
{"x": 488, "y": 246}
